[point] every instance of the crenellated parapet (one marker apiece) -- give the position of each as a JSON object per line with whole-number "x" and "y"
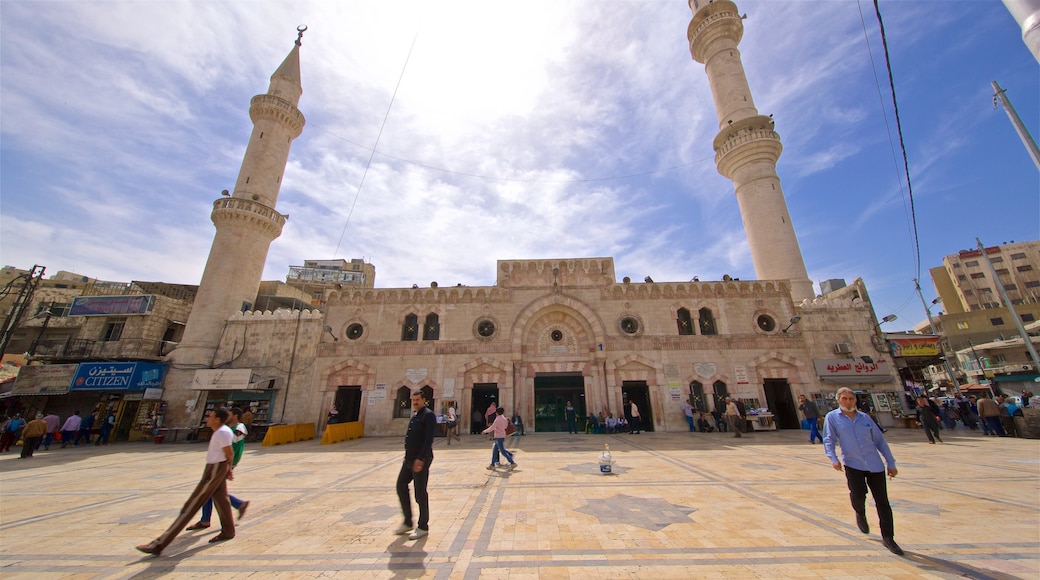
{"x": 678, "y": 290}
{"x": 586, "y": 272}
{"x": 449, "y": 295}
{"x": 234, "y": 210}
{"x": 277, "y": 315}
{"x": 272, "y": 108}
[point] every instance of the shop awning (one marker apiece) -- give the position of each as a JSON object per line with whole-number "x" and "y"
{"x": 846, "y": 371}
{"x": 43, "y": 380}
{"x": 974, "y": 387}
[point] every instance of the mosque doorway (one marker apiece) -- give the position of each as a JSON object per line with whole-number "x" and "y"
{"x": 781, "y": 403}
{"x": 551, "y": 393}
{"x": 483, "y": 395}
{"x": 637, "y": 392}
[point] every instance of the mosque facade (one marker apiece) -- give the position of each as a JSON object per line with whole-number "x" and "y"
{"x": 548, "y": 331}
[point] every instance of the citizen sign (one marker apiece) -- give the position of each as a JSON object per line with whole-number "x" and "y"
{"x": 106, "y": 378}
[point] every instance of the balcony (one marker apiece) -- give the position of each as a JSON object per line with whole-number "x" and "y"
{"x": 77, "y": 349}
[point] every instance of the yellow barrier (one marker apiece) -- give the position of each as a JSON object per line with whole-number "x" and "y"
{"x": 305, "y": 431}
{"x": 342, "y": 432}
{"x": 278, "y": 434}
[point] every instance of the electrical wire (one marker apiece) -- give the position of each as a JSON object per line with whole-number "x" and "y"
{"x": 510, "y": 179}
{"x": 374, "y": 145}
{"x": 902, "y": 143}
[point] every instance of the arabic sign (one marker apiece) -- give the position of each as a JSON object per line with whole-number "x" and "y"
{"x": 914, "y": 346}
{"x": 222, "y": 379}
{"x": 851, "y": 371}
{"x": 135, "y": 376}
{"x": 740, "y": 372}
{"x": 44, "y": 380}
{"x": 111, "y": 305}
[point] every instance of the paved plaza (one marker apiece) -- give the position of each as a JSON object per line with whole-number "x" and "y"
{"x": 677, "y": 505}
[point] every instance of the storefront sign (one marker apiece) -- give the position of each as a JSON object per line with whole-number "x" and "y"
{"x": 740, "y": 372}
{"x": 153, "y": 394}
{"x": 222, "y": 379}
{"x": 44, "y": 380}
{"x": 111, "y": 305}
{"x": 852, "y": 371}
{"x": 914, "y": 346}
{"x": 135, "y": 376}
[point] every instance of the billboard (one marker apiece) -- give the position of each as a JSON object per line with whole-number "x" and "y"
{"x": 44, "y": 380}
{"x": 118, "y": 376}
{"x": 112, "y": 305}
{"x": 914, "y": 346}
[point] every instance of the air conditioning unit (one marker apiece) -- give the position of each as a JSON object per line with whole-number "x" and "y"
{"x": 842, "y": 348}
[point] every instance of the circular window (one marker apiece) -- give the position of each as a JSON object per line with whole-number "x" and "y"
{"x": 766, "y": 323}
{"x": 354, "y": 331}
{"x": 556, "y": 335}
{"x": 485, "y": 328}
{"x": 629, "y": 325}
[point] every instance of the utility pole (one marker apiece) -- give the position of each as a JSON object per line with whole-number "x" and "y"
{"x": 1011, "y": 308}
{"x": 999, "y": 94}
{"x": 942, "y": 349}
{"x": 32, "y": 281}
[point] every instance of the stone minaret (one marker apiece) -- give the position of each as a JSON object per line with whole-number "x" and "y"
{"x": 246, "y": 221}
{"x": 747, "y": 147}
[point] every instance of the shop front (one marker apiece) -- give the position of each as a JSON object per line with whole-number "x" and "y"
{"x": 235, "y": 388}
{"x": 868, "y": 379}
{"x": 130, "y": 391}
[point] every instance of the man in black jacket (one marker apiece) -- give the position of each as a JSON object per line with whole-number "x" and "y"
{"x": 418, "y": 455}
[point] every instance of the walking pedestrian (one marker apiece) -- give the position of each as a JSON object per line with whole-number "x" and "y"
{"x": 107, "y": 425}
{"x": 219, "y": 456}
{"x": 498, "y": 433}
{"x": 453, "y": 425}
{"x": 53, "y": 424}
{"x": 861, "y": 442}
{"x": 238, "y": 447}
{"x": 418, "y": 455}
{"x": 812, "y": 416}
{"x": 927, "y": 419}
{"x": 85, "y": 427}
{"x": 11, "y": 431}
{"x": 733, "y": 417}
{"x": 31, "y": 435}
{"x": 572, "y": 418}
{"x": 70, "y": 429}
{"x": 635, "y": 422}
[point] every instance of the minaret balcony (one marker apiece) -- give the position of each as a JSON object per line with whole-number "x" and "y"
{"x": 232, "y": 210}
{"x": 745, "y": 141}
{"x": 272, "y": 108}
{"x": 717, "y": 21}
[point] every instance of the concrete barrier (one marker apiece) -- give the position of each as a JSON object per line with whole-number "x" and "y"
{"x": 342, "y": 432}
{"x": 279, "y": 434}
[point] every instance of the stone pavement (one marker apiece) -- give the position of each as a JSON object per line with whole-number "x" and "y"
{"x": 678, "y": 505}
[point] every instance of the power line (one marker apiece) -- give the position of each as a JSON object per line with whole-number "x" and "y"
{"x": 511, "y": 179}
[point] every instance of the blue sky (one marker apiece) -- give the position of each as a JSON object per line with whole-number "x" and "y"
{"x": 517, "y": 130}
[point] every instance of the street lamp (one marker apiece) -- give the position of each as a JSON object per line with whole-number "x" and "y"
{"x": 888, "y": 318}
{"x": 794, "y": 320}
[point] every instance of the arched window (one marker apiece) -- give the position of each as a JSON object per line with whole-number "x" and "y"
{"x": 410, "y": 329}
{"x": 697, "y": 397}
{"x": 707, "y": 322}
{"x": 403, "y": 404}
{"x": 432, "y": 328}
{"x": 684, "y": 322}
{"x": 720, "y": 392}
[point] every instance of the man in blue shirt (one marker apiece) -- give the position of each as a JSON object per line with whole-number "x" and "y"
{"x": 861, "y": 441}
